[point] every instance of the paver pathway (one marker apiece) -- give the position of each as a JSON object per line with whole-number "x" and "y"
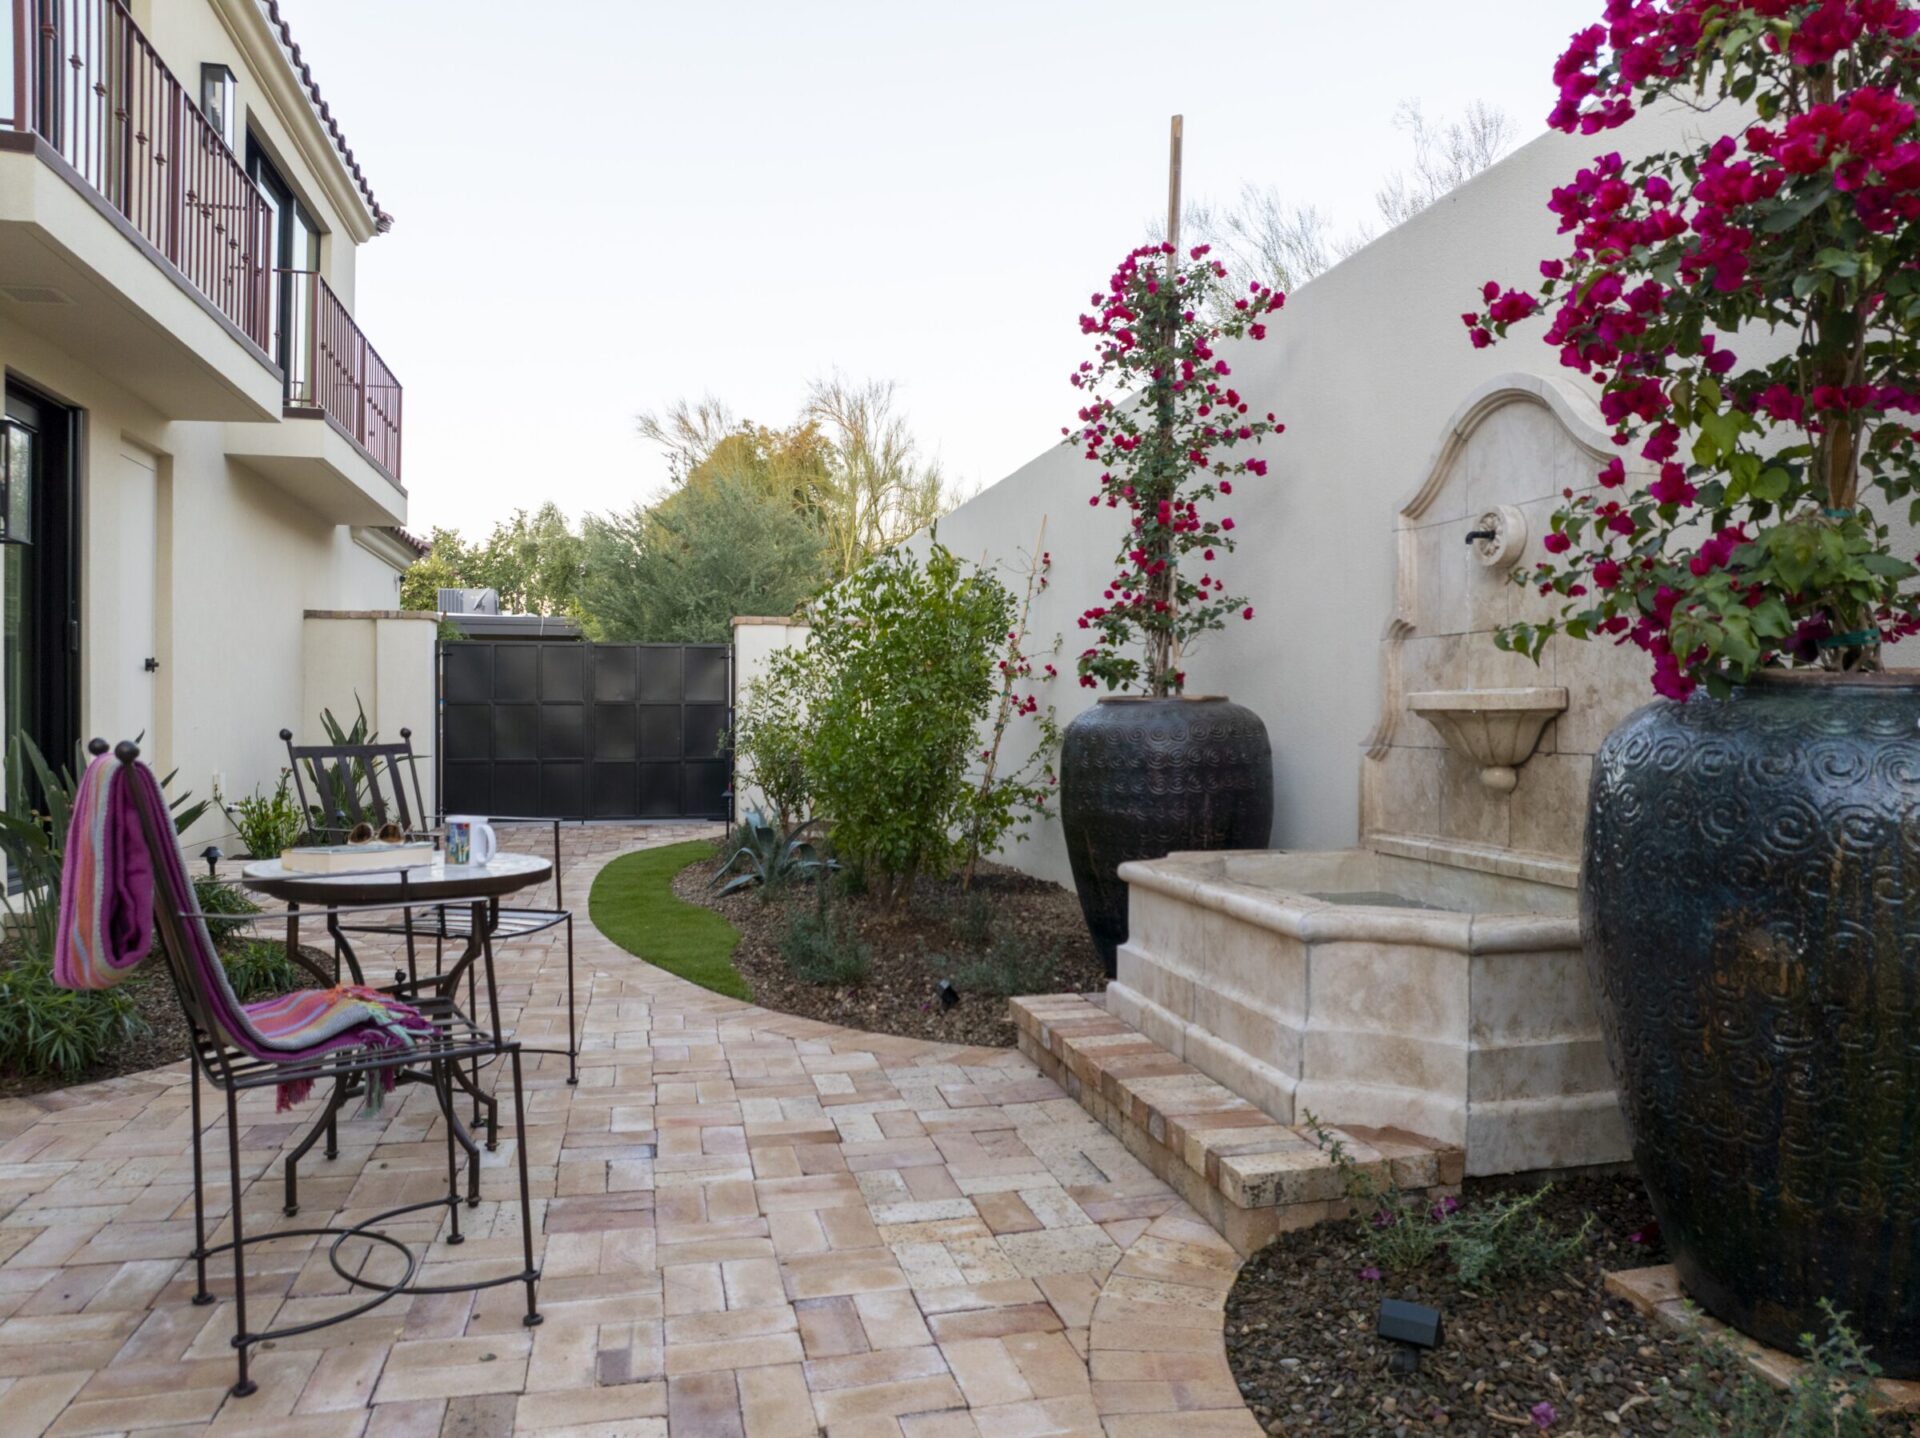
{"x": 751, "y": 1225}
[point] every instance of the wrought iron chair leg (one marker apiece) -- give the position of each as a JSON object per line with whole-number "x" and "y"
{"x": 201, "y": 1297}
{"x": 443, "y": 1090}
{"x": 473, "y": 1064}
{"x": 324, "y": 1124}
{"x": 458, "y": 1075}
{"x": 532, "y": 1275}
{"x": 573, "y": 1041}
{"x": 484, "y": 918}
{"x": 241, "y": 1338}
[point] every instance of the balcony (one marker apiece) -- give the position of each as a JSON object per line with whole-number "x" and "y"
{"x": 130, "y": 235}
{"x": 338, "y": 448}
{"x": 334, "y": 374}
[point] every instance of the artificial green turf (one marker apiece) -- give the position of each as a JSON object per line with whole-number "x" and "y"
{"x": 633, "y": 904}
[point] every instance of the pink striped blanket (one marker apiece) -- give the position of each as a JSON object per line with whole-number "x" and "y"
{"x": 110, "y": 882}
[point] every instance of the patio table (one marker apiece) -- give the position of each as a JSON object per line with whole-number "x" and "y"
{"x": 480, "y": 886}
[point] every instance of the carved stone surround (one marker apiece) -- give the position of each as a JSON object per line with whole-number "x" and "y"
{"x": 1502, "y": 463}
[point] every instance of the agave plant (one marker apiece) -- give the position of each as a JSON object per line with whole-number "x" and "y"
{"x": 769, "y": 857}
{"x": 341, "y": 778}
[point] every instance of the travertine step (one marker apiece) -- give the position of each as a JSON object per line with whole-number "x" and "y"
{"x": 1252, "y": 1177}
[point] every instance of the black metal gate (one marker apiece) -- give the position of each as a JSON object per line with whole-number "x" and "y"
{"x": 575, "y": 730}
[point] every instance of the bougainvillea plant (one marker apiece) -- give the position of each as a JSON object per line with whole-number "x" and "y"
{"x": 1166, "y": 425}
{"x": 1750, "y": 310}
{"x": 1009, "y": 794}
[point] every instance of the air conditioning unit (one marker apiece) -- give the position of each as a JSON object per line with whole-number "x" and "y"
{"x": 469, "y": 601}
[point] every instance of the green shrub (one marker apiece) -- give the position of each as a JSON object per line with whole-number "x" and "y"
{"x": 268, "y": 823}
{"x": 1008, "y": 795}
{"x": 1828, "y": 1398}
{"x": 214, "y": 898}
{"x": 48, "y": 1031}
{"x": 1492, "y": 1240}
{"x": 260, "y": 968}
{"x": 899, "y": 670}
{"x": 1488, "y": 1240}
{"x": 824, "y": 947}
{"x": 1011, "y": 965}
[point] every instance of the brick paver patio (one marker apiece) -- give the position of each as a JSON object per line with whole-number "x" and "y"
{"x": 751, "y": 1226}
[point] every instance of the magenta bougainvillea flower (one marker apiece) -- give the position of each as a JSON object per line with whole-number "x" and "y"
{"x": 1743, "y": 523}
{"x": 1170, "y": 435}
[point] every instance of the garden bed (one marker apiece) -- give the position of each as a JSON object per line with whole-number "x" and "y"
{"x": 939, "y": 932}
{"x": 1300, "y": 1331}
{"x": 161, "y": 1035}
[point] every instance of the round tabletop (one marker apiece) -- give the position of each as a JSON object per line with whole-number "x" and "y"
{"x": 440, "y": 882}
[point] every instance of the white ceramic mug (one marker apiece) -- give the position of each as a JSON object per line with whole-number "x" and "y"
{"x": 470, "y": 839}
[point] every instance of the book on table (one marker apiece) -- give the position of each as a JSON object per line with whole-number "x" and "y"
{"x": 357, "y": 858}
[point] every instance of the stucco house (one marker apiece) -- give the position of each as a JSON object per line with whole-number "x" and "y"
{"x": 204, "y": 449}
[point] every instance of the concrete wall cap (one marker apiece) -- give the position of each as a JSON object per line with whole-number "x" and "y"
{"x": 425, "y": 615}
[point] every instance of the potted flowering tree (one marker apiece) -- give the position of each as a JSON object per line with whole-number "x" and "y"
{"x": 1150, "y": 770}
{"x": 1749, "y": 308}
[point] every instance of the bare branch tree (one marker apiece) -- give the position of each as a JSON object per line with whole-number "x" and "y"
{"x": 879, "y": 490}
{"x": 1260, "y": 236}
{"x": 689, "y": 432}
{"x": 1446, "y": 154}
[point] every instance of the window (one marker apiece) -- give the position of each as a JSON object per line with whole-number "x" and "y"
{"x": 296, "y": 255}
{"x": 217, "y": 100}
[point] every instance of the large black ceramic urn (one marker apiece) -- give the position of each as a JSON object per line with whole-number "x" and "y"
{"x": 1751, "y": 911}
{"x": 1142, "y": 778}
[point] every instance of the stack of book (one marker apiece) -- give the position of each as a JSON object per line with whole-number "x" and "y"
{"x": 357, "y": 858}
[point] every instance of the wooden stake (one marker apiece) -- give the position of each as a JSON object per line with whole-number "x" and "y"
{"x": 1175, "y": 133}
{"x": 1173, "y": 193}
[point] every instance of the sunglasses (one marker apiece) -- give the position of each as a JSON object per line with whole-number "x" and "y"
{"x": 388, "y": 833}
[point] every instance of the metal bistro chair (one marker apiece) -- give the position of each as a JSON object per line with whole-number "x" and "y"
{"x": 232, "y": 1068}
{"x": 369, "y": 783}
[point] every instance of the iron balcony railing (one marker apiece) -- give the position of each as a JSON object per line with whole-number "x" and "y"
{"x": 332, "y": 370}
{"x": 81, "y": 76}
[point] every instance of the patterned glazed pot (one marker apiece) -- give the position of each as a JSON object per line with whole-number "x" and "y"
{"x": 1143, "y": 778}
{"x": 1751, "y": 911}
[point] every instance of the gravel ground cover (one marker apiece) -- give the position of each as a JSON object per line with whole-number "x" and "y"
{"x": 1300, "y": 1329}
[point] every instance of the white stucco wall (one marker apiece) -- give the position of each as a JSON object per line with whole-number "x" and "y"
{"x": 1365, "y": 367}
{"x": 188, "y": 556}
{"x": 380, "y": 662}
{"x": 755, "y": 641}
{"x": 235, "y": 564}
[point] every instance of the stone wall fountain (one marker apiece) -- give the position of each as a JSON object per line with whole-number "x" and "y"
{"x": 1430, "y": 980}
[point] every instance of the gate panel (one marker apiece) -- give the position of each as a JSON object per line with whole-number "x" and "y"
{"x": 575, "y": 730}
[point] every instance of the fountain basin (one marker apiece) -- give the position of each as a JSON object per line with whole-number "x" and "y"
{"x": 1497, "y": 729}
{"x": 1379, "y": 991}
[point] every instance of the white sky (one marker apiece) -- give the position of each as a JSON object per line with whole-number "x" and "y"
{"x": 606, "y": 204}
